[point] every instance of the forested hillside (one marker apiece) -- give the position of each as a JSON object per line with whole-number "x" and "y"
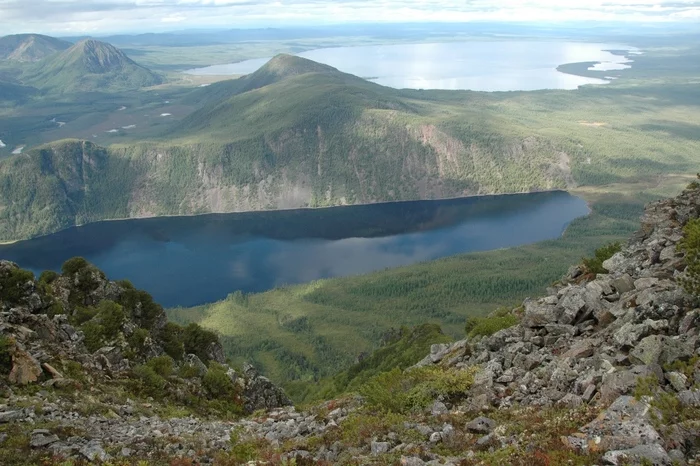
{"x": 87, "y": 66}
{"x": 299, "y": 134}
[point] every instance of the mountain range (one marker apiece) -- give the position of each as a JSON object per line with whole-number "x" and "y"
{"x": 30, "y": 47}
{"x": 293, "y": 134}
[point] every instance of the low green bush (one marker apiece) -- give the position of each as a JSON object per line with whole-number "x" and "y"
{"x": 94, "y": 335}
{"x": 111, "y": 316}
{"x": 690, "y": 245}
{"x": 137, "y": 340}
{"x": 12, "y": 287}
{"x": 485, "y": 326}
{"x": 196, "y": 340}
{"x": 415, "y": 389}
{"x": 217, "y": 383}
{"x": 74, "y": 265}
{"x": 595, "y": 264}
{"x": 82, "y": 314}
{"x": 150, "y": 381}
{"x": 161, "y": 365}
{"x": 171, "y": 339}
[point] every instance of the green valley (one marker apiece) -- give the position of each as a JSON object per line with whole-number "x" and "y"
{"x": 297, "y": 133}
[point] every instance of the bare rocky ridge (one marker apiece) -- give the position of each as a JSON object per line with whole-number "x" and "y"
{"x": 612, "y": 360}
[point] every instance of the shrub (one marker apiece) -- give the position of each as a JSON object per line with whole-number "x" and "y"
{"x": 196, "y": 340}
{"x": 690, "y": 245}
{"x": 485, "y": 326}
{"x": 161, "y": 365}
{"x": 94, "y": 335}
{"x": 151, "y": 382}
{"x": 171, "y": 338}
{"x": 137, "y": 340}
{"x": 140, "y": 305}
{"x": 111, "y": 317}
{"x": 217, "y": 383}
{"x": 12, "y": 287}
{"x": 74, "y": 265}
{"x": 595, "y": 263}
{"x": 83, "y": 314}
{"x": 48, "y": 276}
{"x": 6, "y": 345}
{"x": 415, "y": 389}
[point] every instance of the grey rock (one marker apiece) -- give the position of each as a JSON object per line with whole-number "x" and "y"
{"x": 678, "y": 381}
{"x": 649, "y": 454}
{"x": 42, "y": 440}
{"x": 435, "y": 437}
{"x": 194, "y": 361}
{"x": 580, "y": 349}
{"x": 539, "y": 315}
{"x": 570, "y": 400}
{"x": 438, "y": 408}
{"x": 379, "y": 448}
{"x": 623, "y": 283}
{"x": 689, "y": 398}
{"x": 411, "y": 461}
{"x": 485, "y": 441}
{"x": 623, "y": 382}
{"x": 572, "y": 304}
{"x": 660, "y": 349}
{"x": 93, "y": 451}
{"x": 9, "y": 416}
{"x": 438, "y": 351}
{"x": 481, "y": 425}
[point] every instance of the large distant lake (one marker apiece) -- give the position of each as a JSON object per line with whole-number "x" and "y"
{"x": 185, "y": 261}
{"x": 477, "y": 65}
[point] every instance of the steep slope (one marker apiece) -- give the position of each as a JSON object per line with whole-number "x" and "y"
{"x": 30, "y": 47}
{"x": 277, "y": 69}
{"x": 90, "y": 65}
{"x": 604, "y": 369}
{"x": 106, "y": 364}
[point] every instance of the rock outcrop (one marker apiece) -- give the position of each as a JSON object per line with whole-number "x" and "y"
{"x": 99, "y": 356}
{"x": 598, "y": 339}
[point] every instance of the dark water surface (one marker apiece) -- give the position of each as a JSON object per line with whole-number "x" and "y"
{"x": 185, "y": 261}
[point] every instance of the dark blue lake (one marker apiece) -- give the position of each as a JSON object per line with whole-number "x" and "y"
{"x": 186, "y": 261}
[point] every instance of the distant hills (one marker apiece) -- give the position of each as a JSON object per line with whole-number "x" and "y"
{"x": 293, "y": 134}
{"x": 90, "y": 65}
{"x": 30, "y": 47}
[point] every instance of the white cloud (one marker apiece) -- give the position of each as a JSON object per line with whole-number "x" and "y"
{"x": 73, "y": 16}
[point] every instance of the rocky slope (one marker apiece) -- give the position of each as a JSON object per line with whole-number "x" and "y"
{"x": 87, "y": 364}
{"x": 602, "y": 370}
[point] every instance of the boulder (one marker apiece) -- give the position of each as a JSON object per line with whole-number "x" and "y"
{"x": 379, "y": 448}
{"x": 651, "y": 454}
{"x": 25, "y": 369}
{"x": 481, "y": 425}
{"x": 539, "y": 315}
{"x": 660, "y": 349}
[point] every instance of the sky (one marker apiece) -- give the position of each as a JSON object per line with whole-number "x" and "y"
{"x": 66, "y": 17}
